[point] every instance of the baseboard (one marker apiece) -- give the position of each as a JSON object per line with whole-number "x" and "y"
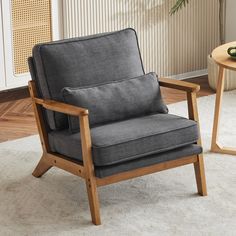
{"x": 189, "y": 75}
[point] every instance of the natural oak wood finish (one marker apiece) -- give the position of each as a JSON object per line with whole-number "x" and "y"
{"x": 61, "y": 107}
{"x": 86, "y": 169}
{"x": 199, "y": 165}
{"x": 66, "y": 164}
{"x": 224, "y": 61}
{"x": 191, "y": 90}
{"x": 222, "y": 58}
{"x": 39, "y": 118}
{"x": 42, "y": 167}
{"x": 178, "y": 84}
{"x": 218, "y": 103}
{"x": 89, "y": 169}
{"x": 224, "y": 150}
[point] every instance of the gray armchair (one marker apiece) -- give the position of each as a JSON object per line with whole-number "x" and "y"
{"x": 102, "y": 118}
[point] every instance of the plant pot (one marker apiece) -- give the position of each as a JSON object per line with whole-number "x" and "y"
{"x": 213, "y": 70}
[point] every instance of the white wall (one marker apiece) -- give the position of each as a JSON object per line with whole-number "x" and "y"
{"x": 170, "y": 45}
{"x": 230, "y": 20}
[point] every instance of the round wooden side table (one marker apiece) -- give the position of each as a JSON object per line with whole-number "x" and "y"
{"x": 224, "y": 61}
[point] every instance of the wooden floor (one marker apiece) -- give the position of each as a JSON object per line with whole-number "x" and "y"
{"x": 17, "y": 118}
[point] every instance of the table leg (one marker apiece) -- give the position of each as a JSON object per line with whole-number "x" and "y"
{"x": 215, "y": 147}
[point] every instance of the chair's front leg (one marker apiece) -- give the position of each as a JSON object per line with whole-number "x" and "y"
{"x": 89, "y": 170}
{"x": 199, "y": 165}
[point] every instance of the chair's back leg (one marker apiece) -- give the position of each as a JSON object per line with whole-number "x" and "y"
{"x": 42, "y": 166}
{"x": 200, "y": 176}
{"x": 199, "y": 165}
{"x": 91, "y": 183}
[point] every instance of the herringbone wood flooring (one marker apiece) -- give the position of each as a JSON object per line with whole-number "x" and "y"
{"x": 17, "y": 117}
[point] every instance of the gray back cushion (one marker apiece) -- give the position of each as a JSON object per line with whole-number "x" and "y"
{"x": 116, "y": 101}
{"x": 84, "y": 62}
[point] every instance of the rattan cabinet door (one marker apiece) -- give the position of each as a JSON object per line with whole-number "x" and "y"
{"x": 25, "y": 23}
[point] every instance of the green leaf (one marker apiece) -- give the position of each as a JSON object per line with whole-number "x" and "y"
{"x": 178, "y": 5}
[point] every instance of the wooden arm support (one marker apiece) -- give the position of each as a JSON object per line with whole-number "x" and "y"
{"x": 53, "y": 106}
{"x": 180, "y": 85}
{"x": 191, "y": 90}
{"x": 61, "y": 107}
{"x": 49, "y": 159}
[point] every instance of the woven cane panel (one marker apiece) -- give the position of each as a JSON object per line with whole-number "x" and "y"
{"x": 31, "y": 24}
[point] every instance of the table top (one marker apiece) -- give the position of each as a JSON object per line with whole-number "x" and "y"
{"x": 222, "y": 58}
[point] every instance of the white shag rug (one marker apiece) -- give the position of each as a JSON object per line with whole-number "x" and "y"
{"x": 163, "y": 203}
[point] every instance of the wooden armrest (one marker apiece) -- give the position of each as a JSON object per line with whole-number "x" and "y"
{"x": 61, "y": 107}
{"x": 178, "y": 84}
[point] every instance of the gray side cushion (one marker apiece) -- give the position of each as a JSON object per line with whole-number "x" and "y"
{"x": 128, "y": 140}
{"x": 116, "y": 101}
{"x": 178, "y": 153}
{"x": 84, "y": 62}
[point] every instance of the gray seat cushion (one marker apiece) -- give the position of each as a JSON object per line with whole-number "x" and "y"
{"x": 84, "y": 62}
{"x": 116, "y": 101}
{"x": 178, "y": 153}
{"x": 130, "y": 139}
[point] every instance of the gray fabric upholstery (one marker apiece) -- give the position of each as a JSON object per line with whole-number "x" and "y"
{"x": 130, "y": 139}
{"x": 104, "y": 171}
{"x": 84, "y": 62}
{"x": 116, "y": 101}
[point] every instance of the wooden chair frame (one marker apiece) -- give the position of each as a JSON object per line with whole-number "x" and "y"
{"x": 86, "y": 170}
